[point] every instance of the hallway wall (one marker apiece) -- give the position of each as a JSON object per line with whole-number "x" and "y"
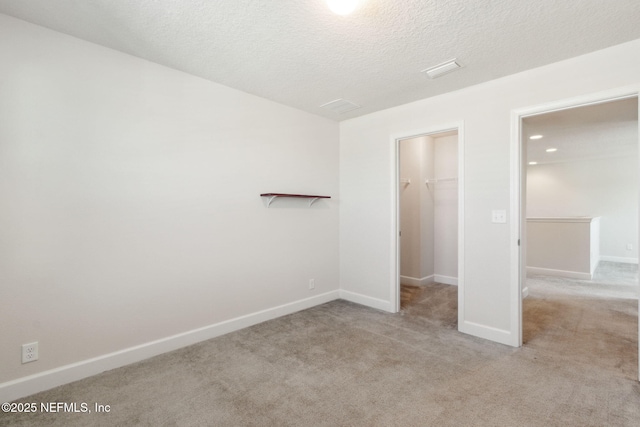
{"x": 573, "y": 189}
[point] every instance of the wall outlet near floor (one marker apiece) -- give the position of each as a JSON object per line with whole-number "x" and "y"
{"x": 629, "y": 247}
{"x": 312, "y": 284}
{"x": 30, "y": 352}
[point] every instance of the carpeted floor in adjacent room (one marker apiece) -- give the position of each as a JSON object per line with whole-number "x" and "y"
{"x": 341, "y": 364}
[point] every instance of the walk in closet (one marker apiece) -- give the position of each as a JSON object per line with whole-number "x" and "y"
{"x": 429, "y": 209}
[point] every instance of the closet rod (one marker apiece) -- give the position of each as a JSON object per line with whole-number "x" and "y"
{"x": 436, "y": 180}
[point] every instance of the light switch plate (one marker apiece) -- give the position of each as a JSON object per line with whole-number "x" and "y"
{"x": 499, "y": 217}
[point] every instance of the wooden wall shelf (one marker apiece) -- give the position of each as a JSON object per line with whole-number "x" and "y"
{"x": 273, "y": 196}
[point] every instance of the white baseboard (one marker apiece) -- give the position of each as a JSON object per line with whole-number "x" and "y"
{"x": 447, "y": 280}
{"x": 619, "y": 259}
{"x": 26, "y": 386}
{"x": 489, "y": 333}
{"x": 408, "y": 280}
{"x": 525, "y": 292}
{"x": 559, "y": 273}
{"x": 365, "y": 300}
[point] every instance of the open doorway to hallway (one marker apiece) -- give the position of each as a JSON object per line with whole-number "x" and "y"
{"x": 580, "y": 235}
{"x": 428, "y": 221}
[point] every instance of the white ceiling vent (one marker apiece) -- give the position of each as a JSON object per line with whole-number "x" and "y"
{"x": 442, "y": 69}
{"x": 340, "y": 106}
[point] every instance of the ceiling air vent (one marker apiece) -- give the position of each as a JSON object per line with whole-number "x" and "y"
{"x": 442, "y": 69}
{"x": 340, "y": 106}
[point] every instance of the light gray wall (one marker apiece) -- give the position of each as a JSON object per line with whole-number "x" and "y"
{"x": 367, "y": 184}
{"x": 429, "y": 213}
{"x": 416, "y": 209}
{"x": 129, "y": 201}
{"x": 606, "y": 187}
{"x": 445, "y": 195}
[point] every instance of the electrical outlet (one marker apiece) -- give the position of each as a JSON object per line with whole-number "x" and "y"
{"x": 30, "y": 352}
{"x": 312, "y": 284}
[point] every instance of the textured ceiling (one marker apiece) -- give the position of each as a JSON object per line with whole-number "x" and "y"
{"x": 298, "y": 53}
{"x": 596, "y": 131}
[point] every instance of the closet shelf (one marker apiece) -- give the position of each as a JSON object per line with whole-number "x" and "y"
{"x": 273, "y": 196}
{"x": 437, "y": 180}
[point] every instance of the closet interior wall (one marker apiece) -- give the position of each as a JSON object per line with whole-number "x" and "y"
{"x": 429, "y": 209}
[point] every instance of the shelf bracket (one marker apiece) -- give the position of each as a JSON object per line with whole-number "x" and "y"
{"x": 271, "y": 198}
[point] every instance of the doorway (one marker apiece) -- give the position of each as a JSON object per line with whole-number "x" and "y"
{"x": 429, "y": 211}
{"x": 575, "y": 154}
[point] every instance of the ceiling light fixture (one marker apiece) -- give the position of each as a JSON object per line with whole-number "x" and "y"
{"x": 535, "y": 137}
{"x": 551, "y": 150}
{"x": 533, "y": 163}
{"x": 343, "y": 7}
{"x": 441, "y": 69}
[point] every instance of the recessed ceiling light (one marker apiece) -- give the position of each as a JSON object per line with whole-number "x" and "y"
{"x": 551, "y": 150}
{"x": 535, "y": 137}
{"x": 441, "y": 69}
{"x": 343, "y": 7}
{"x": 533, "y": 163}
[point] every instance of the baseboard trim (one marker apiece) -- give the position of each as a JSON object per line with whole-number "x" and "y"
{"x": 46, "y": 380}
{"x": 447, "y": 280}
{"x": 408, "y": 280}
{"x": 559, "y": 273}
{"x": 423, "y": 281}
{"x": 619, "y": 259}
{"x": 366, "y": 300}
{"x": 525, "y": 292}
{"x": 487, "y": 332}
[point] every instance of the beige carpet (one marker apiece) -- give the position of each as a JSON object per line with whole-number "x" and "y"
{"x": 341, "y": 364}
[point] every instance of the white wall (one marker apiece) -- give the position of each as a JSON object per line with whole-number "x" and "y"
{"x": 427, "y": 209}
{"x": 429, "y": 213}
{"x": 445, "y": 195}
{"x": 130, "y": 208}
{"x": 367, "y": 180}
{"x": 606, "y": 187}
{"x": 416, "y": 211}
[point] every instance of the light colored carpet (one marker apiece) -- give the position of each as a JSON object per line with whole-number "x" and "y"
{"x": 610, "y": 280}
{"x": 341, "y": 364}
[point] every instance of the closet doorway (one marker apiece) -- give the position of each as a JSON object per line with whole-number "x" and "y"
{"x": 428, "y": 220}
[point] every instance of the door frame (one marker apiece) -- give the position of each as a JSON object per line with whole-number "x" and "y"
{"x": 395, "y": 210}
{"x": 518, "y": 189}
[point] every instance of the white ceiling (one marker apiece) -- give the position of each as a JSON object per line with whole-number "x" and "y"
{"x": 298, "y": 53}
{"x": 590, "y": 132}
